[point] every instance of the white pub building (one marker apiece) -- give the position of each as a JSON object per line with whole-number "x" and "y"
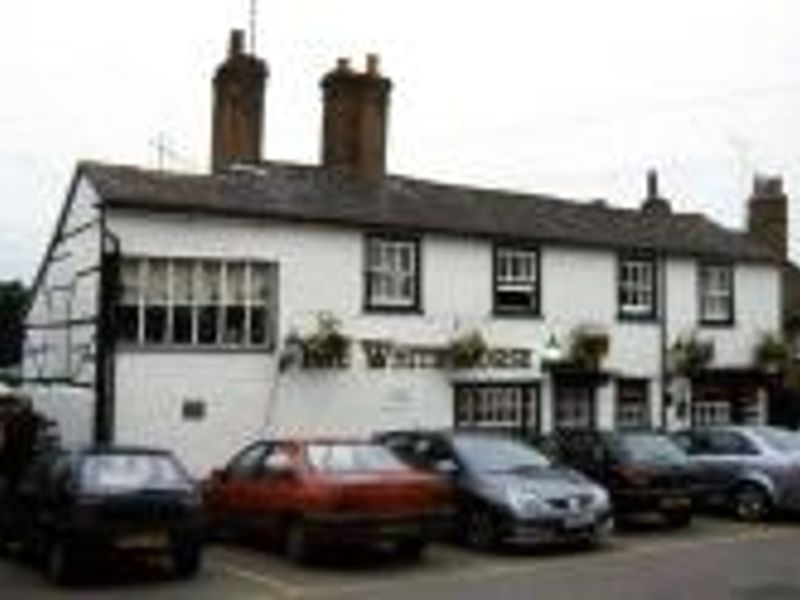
{"x": 198, "y": 311}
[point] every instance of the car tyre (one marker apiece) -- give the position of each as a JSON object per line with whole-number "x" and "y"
{"x": 678, "y": 519}
{"x": 412, "y": 549}
{"x": 187, "y": 558}
{"x": 61, "y": 562}
{"x": 750, "y": 502}
{"x": 296, "y": 543}
{"x": 482, "y": 529}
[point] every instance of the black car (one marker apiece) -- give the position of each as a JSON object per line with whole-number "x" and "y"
{"x": 505, "y": 491}
{"x": 645, "y": 472}
{"x": 70, "y": 507}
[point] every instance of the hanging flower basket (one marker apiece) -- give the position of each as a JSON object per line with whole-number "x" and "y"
{"x": 326, "y": 347}
{"x": 771, "y": 354}
{"x": 467, "y": 351}
{"x": 691, "y": 355}
{"x": 590, "y": 346}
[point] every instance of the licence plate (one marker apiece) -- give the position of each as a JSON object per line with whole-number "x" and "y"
{"x": 577, "y": 521}
{"x": 142, "y": 541}
{"x": 675, "y": 502}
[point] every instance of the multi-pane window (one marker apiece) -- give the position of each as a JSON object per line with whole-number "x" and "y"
{"x": 516, "y": 280}
{"x": 503, "y": 407}
{"x": 637, "y": 286}
{"x": 187, "y": 302}
{"x": 716, "y": 294}
{"x": 633, "y": 404}
{"x": 574, "y": 407}
{"x": 392, "y": 273}
{"x": 711, "y": 412}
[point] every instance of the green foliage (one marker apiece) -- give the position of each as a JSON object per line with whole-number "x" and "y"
{"x": 326, "y": 346}
{"x": 467, "y": 351}
{"x": 590, "y": 345}
{"x": 13, "y": 302}
{"x": 771, "y": 353}
{"x": 689, "y": 355}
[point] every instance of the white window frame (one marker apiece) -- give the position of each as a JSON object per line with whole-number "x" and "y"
{"x": 633, "y": 412}
{"x": 392, "y": 272}
{"x": 516, "y": 269}
{"x": 498, "y": 407}
{"x": 141, "y": 267}
{"x": 637, "y": 286}
{"x": 716, "y": 283}
{"x": 711, "y": 412}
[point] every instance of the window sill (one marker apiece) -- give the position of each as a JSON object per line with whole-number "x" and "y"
{"x": 393, "y": 310}
{"x": 503, "y": 313}
{"x": 127, "y": 347}
{"x": 728, "y": 324}
{"x": 642, "y": 319}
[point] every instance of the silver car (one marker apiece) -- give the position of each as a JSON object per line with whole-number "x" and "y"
{"x": 753, "y": 470}
{"x": 506, "y": 491}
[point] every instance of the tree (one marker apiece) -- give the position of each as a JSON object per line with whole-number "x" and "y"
{"x": 13, "y": 301}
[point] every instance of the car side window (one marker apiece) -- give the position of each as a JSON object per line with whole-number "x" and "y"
{"x": 277, "y": 461}
{"x": 245, "y": 465}
{"x": 685, "y": 442}
{"x": 727, "y": 443}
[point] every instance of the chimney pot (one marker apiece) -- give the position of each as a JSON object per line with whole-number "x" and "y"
{"x": 373, "y": 65}
{"x": 343, "y": 65}
{"x": 652, "y": 184}
{"x": 236, "y": 47}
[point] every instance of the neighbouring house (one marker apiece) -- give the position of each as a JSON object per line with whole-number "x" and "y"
{"x": 196, "y": 311}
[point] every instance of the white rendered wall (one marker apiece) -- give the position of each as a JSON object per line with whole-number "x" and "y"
{"x": 320, "y": 269}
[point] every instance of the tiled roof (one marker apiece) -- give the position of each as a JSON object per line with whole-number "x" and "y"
{"x": 315, "y": 194}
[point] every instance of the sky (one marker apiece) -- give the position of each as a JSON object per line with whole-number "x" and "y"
{"x": 576, "y": 98}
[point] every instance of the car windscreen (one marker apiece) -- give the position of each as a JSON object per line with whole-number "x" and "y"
{"x": 651, "y": 448}
{"x": 781, "y": 440}
{"x": 121, "y": 473}
{"x": 497, "y": 454}
{"x": 353, "y": 458}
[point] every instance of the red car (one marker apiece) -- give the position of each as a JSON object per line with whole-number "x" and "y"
{"x": 309, "y": 493}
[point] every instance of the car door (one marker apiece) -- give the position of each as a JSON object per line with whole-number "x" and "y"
{"x": 231, "y": 497}
{"x": 276, "y": 489}
{"x": 720, "y": 456}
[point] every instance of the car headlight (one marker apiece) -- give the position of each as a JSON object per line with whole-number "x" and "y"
{"x": 524, "y": 501}
{"x": 601, "y": 497}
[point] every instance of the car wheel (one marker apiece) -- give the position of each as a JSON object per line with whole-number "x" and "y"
{"x": 187, "y": 558}
{"x": 750, "y": 502}
{"x": 61, "y": 562}
{"x": 682, "y": 518}
{"x": 482, "y": 529}
{"x": 297, "y": 545}
{"x": 412, "y": 549}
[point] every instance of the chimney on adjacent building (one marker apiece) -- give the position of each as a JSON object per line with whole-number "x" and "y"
{"x": 767, "y": 215}
{"x": 355, "y": 119}
{"x": 653, "y": 203}
{"x": 238, "y": 117}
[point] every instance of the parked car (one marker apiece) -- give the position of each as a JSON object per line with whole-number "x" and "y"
{"x": 645, "y": 472}
{"x": 505, "y": 491}
{"x": 751, "y": 470}
{"x": 71, "y": 507}
{"x": 309, "y": 493}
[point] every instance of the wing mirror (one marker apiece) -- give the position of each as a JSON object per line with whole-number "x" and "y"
{"x": 445, "y": 466}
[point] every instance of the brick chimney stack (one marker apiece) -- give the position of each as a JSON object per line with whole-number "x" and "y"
{"x": 238, "y": 117}
{"x": 767, "y": 215}
{"x": 355, "y": 119}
